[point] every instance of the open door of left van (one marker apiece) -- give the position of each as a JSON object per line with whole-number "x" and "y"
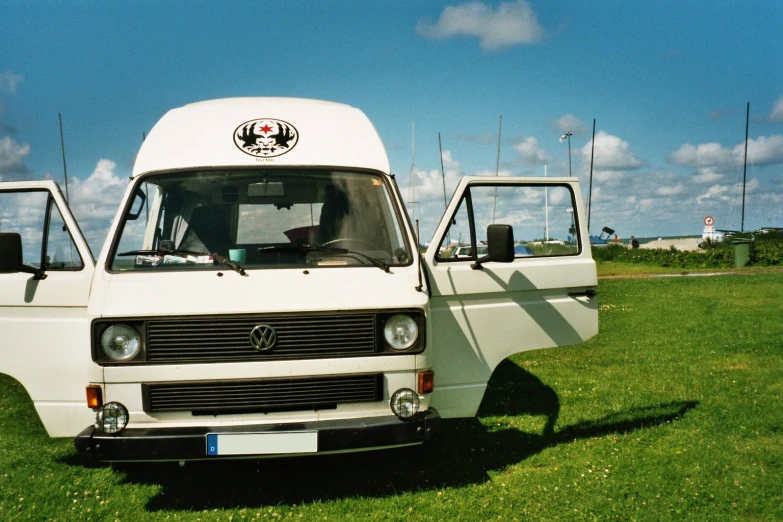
{"x": 46, "y": 268}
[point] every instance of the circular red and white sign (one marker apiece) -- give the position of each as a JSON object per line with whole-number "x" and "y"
{"x": 709, "y": 221}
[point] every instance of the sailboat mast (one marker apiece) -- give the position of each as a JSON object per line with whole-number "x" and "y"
{"x": 412, "y": 192}
{"x": 590, "y": 190}
{"x": 442, "y": 173}
{"x": 497, "y": 160}
{"x": 546, "y": 209}
{"x": 497, "y": 169}
{"x": 745, "y": 166}
{"x": 62, "y": 147}
{"x": 443, "y": 177}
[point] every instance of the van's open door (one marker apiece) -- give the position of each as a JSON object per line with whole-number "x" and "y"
{"x": 45, "y": 273}
{"x": 482, "y": 311}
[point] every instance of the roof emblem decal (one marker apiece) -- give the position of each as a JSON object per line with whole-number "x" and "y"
{"x": 265, "y": 137}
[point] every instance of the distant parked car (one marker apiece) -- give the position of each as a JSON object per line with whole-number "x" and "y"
{"x": 522, "y": 251}
{"x": 466, "y": 251}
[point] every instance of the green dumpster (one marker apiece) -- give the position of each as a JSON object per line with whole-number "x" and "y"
{"x": 741, "y": 252}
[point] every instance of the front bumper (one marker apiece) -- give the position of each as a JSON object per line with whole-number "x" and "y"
{"x": 180, "y": 444}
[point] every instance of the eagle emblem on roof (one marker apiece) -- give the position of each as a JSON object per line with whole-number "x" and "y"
{"x": 266, "y": 137}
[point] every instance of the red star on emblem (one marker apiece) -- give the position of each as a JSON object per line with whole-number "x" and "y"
{"x": 266, "y": 128}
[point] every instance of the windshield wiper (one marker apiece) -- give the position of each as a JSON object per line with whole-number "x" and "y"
{"x": 315, "y": 248}
{"x": 223, "y": 260}
{"x": 162, "y": 252}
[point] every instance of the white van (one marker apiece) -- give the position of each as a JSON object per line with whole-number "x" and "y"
{"x": 260, "y": 292}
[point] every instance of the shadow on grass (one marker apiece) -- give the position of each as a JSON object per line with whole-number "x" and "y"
{"x": 463, "y": 454}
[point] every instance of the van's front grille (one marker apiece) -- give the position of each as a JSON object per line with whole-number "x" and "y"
{"x": 227, "y": 338}
{"x": 254, "y": 396}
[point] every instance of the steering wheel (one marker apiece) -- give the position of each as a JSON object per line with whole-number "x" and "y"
{"x": 350, "y": 240}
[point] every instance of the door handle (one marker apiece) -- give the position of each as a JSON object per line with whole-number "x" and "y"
{"x": 590, "y": 292}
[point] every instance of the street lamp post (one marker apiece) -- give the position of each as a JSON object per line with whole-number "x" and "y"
{"x": 564, "y": 136}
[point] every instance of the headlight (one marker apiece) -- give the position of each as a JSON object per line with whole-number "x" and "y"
{"x": 401, "y": 331}
{"x": 112, "y": 418}
{"x": 405, "y": 403}
{"x": 120, "y": 342}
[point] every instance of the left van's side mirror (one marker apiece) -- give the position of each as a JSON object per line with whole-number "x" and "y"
{"x": 500, "y": 245}
{"x": 11, "y": 256}
{"x": 10, "y": 253}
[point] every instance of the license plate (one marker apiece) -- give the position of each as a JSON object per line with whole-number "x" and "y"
{"x": 262, "y": 443}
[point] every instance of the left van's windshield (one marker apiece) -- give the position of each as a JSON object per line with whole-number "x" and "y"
{"x": 260, "y": 219}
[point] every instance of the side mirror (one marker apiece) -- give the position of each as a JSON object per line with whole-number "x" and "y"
{"x": 11, "y": 256}
{"x": 500, "y": 245}
{"x": 10, "y": 252}
{"x": 141, "y": 197}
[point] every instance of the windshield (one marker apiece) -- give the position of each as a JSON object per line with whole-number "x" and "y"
{"x": 260, "y": 219}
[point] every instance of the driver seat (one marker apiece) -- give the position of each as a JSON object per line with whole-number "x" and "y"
{"x": 333, "y": 213}
{"x": 208, "y": 231}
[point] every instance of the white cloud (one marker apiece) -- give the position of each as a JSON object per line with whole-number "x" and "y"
{"x": 501, "y": 173}
{"x": 703, "y": 155}
{"x": 670, "y": 190}
{"x": 531, "y": 153}
{"x": 429, "y": 184}
{"x": 707, "y": 175}
{"x": 777, "y": 111}
{"x": 570, "y": 123}
{"x": 511, "y": 23}
{"x": 604, "y": 176}
{"x": 764, "y": 150}
{"x": 12, "y": 157}
{"x": 715, "y": 192}
{"x": 9, "y": 81}
{"x": 611, "y": 153}
{"x": 94, "y": 200}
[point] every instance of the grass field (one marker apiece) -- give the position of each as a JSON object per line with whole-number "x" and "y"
{"x": 673, "y": 412}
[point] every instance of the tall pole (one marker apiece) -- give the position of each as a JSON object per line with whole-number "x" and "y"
{"x": 546, "y": 209}
{"x": 442, "y": 173}
{"x": 65, "y": 172}
{"x": 590, "y": 190}
{"x": 497, "y": 161}
{"x": 62, "y": 147}
{"x": 413, "y": 169}
{"x": 567, "y": 136}
{"x": 745, "y": 166}
{"x": 443, "y": 177}
{"x": 497, "y": 169}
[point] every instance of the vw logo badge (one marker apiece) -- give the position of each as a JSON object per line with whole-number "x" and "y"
{"x": 263, "y": 338}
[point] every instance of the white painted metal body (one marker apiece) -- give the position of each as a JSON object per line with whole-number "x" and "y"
{"x": 474, "y": 318}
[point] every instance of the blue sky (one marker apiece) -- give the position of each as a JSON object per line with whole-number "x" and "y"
{"x": 667, "y": 83}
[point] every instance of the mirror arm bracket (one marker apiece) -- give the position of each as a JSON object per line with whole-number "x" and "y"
{"x": 476, "y": 265}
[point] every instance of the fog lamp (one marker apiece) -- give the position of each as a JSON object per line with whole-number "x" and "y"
{"x": 112, "y": 418}
{"x": 405, "y": 403}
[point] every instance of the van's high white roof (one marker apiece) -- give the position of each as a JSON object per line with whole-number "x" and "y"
{"x": 241, "y": 132}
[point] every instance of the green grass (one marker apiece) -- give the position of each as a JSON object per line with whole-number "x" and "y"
{"x": 624, "y": 269}
{"x": 672, "y": 412}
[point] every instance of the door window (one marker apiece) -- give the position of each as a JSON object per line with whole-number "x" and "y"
{"x": 542, "y": 218}
{"x": 45, "y": 237}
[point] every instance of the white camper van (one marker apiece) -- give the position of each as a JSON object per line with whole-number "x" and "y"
{"x": 261, "y": 292}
